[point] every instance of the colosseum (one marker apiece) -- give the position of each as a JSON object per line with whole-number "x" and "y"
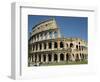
{"x": 46, "y": 46}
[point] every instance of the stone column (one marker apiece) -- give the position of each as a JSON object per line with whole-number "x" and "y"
{"x": 43, "y": 36}
{"x": 34, "y": 47}
{"x": 72, "y": 58}
{"x": 64, "y": 56}
{"x": 38, "y": 46}
{"x": 52, "y": 45}
{"x": 79, "y": 57}
{"x": 31, "y": 58}
{"x": 42, "y": 46}
{"x": 58, "y": 55}
{"x": 48, "y": 36}
{"x": 41, "y": 57}
{"x": 47, "y": 46}
{"x": 46, "y": 58}
{"x": 36, "y": 37}
{"x": 52, "y": 59}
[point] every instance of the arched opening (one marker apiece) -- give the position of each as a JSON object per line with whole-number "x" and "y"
{"x": 40, "y": 46}
{"x": 66, "y": 45}
{"x": 55, "y": 45}
{"x": 41, "y": 36}
{"x": 50, "y": 33}
{"x": 79, "y": 47}
{"x": 49, "y": 57}
{"x": 31, "y": 58}
{"x": 44, "y": 58}
{"x": 35, "y": 58}
{"x": 61, "y": 57}
{"x": 36, "y": 46}
{"x": 61, "y": 45}
{"x": 45, "y": 35}
{"x": 76, "y": 46}
{"x": 39, "y": 57}
{"x": 80, "y": 55}
{"x": 44, "y": 45}
{"x": 55, "y": 57}
{"x": 50, "y": 45}
{"x": 37, "y": 37}
{"x": 33, "y": 47}
{"x": 67, "y": 57}
{"x": 71, "y": 45}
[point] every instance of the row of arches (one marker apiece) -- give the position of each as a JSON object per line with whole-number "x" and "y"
{"x": 40, "y": 46}
{"x": 57, "y": 57}
{"x": 51, "y": 45}
{"x": 44, "y": 35}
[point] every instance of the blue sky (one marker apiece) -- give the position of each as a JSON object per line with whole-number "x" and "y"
{"x": 69, "y": 26}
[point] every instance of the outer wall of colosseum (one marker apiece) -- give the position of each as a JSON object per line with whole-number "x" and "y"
{"x": 47, "y": 46}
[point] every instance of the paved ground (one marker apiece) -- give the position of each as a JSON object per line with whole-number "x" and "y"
{"x": 60, "y": 63}
{"x": 65, "y": 63}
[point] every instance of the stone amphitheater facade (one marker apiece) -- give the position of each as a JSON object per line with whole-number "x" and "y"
{"x": 45, "y": 45}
